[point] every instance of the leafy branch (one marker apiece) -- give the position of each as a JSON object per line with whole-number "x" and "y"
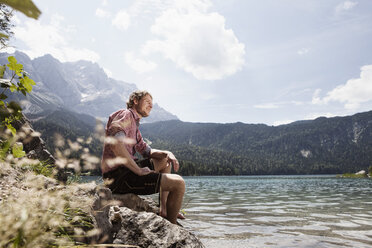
{"x": 11, "y": 112}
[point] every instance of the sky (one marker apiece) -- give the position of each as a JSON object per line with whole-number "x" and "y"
{"x": 221, "y": 61}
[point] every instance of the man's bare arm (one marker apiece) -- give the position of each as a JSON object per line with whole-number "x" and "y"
{"x": 120, "y": 151}
{"x": 160, "y": 154}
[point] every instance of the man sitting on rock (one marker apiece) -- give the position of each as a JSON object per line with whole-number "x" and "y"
{"x": 124, "y": 173}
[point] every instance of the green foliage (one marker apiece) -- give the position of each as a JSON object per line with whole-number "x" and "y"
{"x": 27, "y": 7}
{"x": 5, "y": 25}
{"x": 19, "y": 239}
{"x": 17, "y": 150}
{"x": 77, "y": 219}
{"x": 40, "y": 168}
{"x": 74, "y": 178}
{"x": 4, "y": 148}
{"x": 11, "y": 112}
{"x": 352, "y": 175}
{"x": 24, "y": 85}
{"x": 35, "y": 215}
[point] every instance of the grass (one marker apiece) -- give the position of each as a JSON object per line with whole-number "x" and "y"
{"x": 352, "y": 175}
{"x": 40, "y": 168}
{"x": 36, "y": 210}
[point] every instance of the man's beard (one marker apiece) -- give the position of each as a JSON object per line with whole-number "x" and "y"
{"x": 142, "y": 113}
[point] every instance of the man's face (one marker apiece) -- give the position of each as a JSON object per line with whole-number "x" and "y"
{"x": 144, "y": 106}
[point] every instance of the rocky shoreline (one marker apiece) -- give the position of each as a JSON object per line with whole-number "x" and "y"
{"x": 132, "y": 220}
{"x": 41, "y": 211}
{"x": 116, "y": 219}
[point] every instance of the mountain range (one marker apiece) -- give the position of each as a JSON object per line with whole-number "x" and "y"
{"x": 81, "y": 86}
{"x": 68, "y": 97}
{"x": 320, "y": 146}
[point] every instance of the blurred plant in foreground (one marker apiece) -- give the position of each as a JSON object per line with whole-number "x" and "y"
{"x": 10, "y": 112}
{"x": 37, "y": 211}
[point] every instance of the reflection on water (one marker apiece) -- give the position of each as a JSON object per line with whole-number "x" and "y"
{"x": 279, "y": 211}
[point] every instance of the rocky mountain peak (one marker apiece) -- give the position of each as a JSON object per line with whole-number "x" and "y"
{"x": 80, "y": 86}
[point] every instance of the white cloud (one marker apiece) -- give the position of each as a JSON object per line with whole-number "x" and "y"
{"x": 73, "y": 54}
{"x": 121, "y": 20}
{"x": 102, "y": 13}
{"x": 282, "y": 122}
{"x": 8, "y": 49}
{"x": 276, "y": 105}
{"x": 316, "y": 97}
{"x": 144, "y": 7}
{"x": 266, "y": 106}
{"x": 197, "y": 41}
{"x": 310, "y": 116}
{"x": 16, "y": 20}
{"x": 313, "y": 116}
{"x": 104, "y": 2}
{"x": 156, "y": 7}
{"x": 345, "y": 6}
{"x": 138, "y": 64}
{"x": 193, "y": 5}
{"x": 51, "y": 39}
{"x": 297, "y": 103}
{"x": 303, "y": 51}
{"x": 352, "y": 94}
{"x": 207, "y": 96}
{"x": 108, "y": 72}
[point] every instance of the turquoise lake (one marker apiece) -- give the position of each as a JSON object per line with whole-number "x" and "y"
{"x": 279, "y": 211}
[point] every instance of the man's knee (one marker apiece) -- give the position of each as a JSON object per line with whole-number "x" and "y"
{"x": 173, "y": 182}
{"x": 181, "y": 183}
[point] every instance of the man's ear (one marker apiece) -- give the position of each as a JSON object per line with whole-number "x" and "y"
{"x": 135, "y": 101}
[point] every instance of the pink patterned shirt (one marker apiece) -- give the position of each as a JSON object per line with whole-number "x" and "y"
{"x": 124, "y": 122}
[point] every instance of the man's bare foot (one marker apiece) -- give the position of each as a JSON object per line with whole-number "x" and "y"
{"x": 180, "y": 216}
{"x": 164, "y": 215}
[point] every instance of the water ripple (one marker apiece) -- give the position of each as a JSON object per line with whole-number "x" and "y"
{"x": 281, "y": 211}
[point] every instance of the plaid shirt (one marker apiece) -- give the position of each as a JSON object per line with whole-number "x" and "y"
{"x": 124, "y": 122}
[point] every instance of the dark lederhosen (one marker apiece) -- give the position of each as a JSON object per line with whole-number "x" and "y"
{"x": 122, "y": 180}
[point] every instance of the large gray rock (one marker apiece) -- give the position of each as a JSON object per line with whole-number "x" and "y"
{"x": 136, "y": 203}
{"x": 132, "y": 220}
{"x": 100, "y": 210}
{"x": 33, "y": 144}
{"x": 146, "y": 229}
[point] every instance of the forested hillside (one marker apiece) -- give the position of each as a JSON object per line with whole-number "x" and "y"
{"x": 325, "y": 145}
{"x": 321, "y": 146}
{"x": 66, "y": 125}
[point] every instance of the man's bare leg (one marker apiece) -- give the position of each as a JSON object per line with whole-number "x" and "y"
{"x": 175, "y": 186}
{"x": 162, "y": 166}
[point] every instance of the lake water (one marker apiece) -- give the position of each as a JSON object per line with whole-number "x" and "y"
{"x": 279, "y": 211}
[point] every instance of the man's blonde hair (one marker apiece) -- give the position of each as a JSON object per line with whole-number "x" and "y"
{"x": 138, "y": 94}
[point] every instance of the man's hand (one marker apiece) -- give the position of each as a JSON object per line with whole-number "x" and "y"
{"x": 158, "y": 154}
{"x": 144, "y": 171}
{"x": 172, "y": 159}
